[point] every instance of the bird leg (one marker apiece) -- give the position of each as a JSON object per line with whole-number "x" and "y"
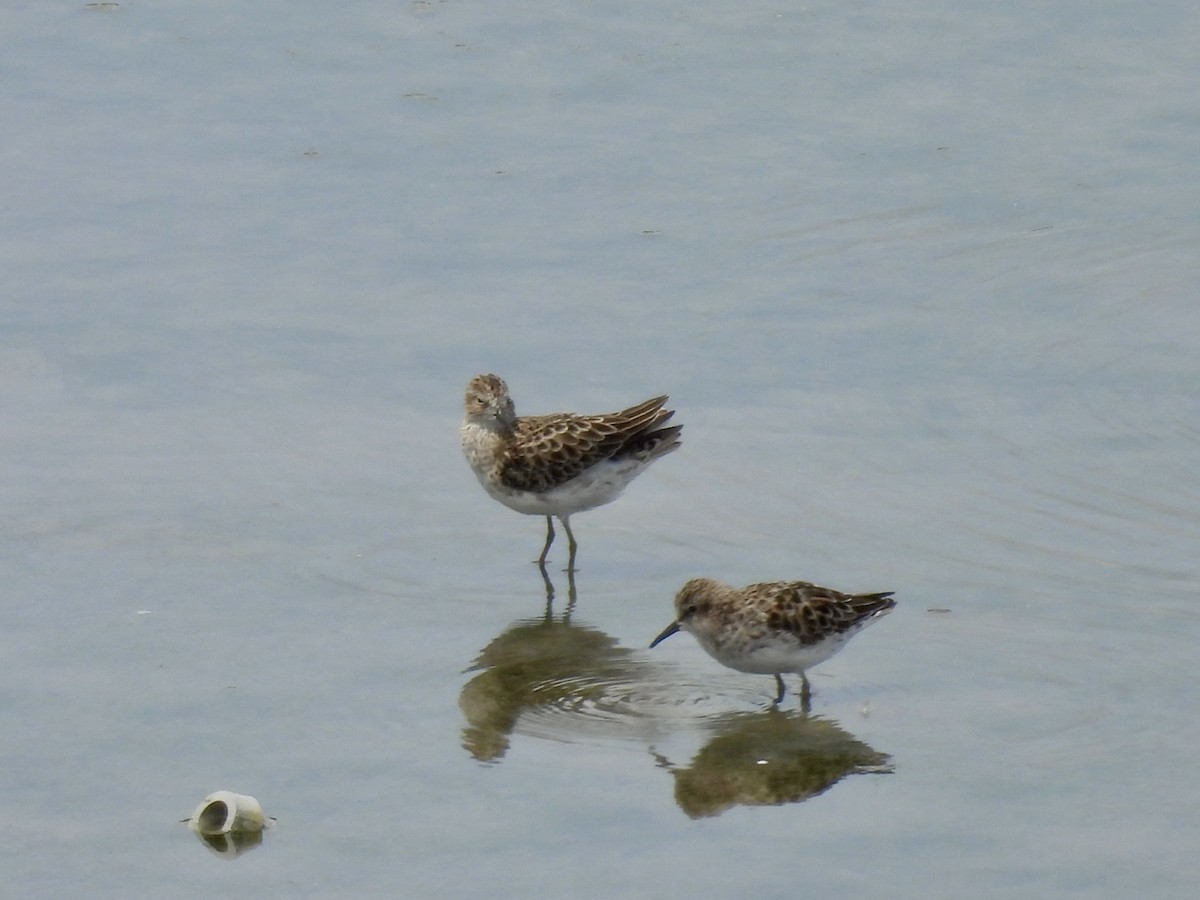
{"x": 805, "y": 694}
{"x": 782, "y": 689}
{"x": 541, "y": 560}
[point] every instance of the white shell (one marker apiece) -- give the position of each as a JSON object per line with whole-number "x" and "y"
{"x": 224, "y": 812}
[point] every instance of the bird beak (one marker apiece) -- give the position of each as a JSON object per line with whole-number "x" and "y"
{"x": 666, "y": 633}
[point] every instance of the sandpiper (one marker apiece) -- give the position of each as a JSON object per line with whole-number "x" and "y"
{"x": 773, "y": 627}
{"x": 560, "y": 464}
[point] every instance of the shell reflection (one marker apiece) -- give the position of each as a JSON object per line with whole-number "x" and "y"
{"x": 769, "y": 759}
{"x": 231, "y": 844}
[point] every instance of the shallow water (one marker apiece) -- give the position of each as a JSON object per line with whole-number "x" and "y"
{"x": 919, "y": 281}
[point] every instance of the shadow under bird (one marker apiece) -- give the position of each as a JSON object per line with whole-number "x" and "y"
{"x": 559, "y": 464}
{"x": 773, "y": 627}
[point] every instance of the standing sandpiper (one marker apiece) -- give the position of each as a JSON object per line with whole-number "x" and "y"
{"x": 562, "y": 463}
{"x": 774, "y": 627}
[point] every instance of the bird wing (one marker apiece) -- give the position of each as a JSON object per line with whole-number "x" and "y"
{"x": 812, "y": 612}
{"x": 547, "y": 451}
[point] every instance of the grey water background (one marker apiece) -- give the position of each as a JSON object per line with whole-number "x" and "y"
{"x": 920, "y": 278}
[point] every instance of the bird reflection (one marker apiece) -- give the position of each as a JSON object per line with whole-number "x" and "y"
{"x": 539, "y": 664}
{"x": 768, "y": 759}
{"x": 549, "y": 585}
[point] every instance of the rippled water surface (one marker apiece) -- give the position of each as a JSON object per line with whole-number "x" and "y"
{"x": 920, "y": 281}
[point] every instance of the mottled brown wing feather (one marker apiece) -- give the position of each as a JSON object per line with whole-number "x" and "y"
{"x": 550, "y": 450}
{"x": 811, "y": 612}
